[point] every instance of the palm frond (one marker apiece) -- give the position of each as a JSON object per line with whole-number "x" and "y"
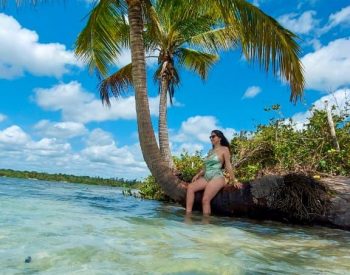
{"x": 265, "y": 41}
{"x": 104, "y": 36}
{"x": 152, "y": 21}
{"x": 188, "y": 27}
{"x": 116, "y": 84}
{"x": 262, "y": 38}
{"x": 215, "y": 40}
{"x": 200, "y": 62}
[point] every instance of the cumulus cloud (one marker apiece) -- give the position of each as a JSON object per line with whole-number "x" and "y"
{"x": 80, "y": 106}
{"x": 341, "y": 17}
{"x": 302, "y": 24}
{"x": 21, "y": 52}
{"x": 339, "y": 99}
{"x": 252, "y": 92}
{"x": 61, "y": 130}
{"x": 190, "y": 148}
{"x": 198, "y": 128}
{"x": 100, "y": 155}
{"x": 101, "y": 148}
{"x": 13, "y": 136}
{"x": 328, "y": 68}
{"x": 125, "y": 58}
{"x": 16, "y": 140}
{"x": 2, "y": 117}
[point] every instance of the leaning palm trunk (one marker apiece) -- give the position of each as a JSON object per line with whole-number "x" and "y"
{"x": 162, "y": 124}
{"x": 158, "y": 167}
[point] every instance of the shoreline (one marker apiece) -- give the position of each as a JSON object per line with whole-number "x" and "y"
{"x": 33, "y": 175}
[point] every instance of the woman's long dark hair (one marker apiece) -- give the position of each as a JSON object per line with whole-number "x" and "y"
{"x": 223, "y": 139}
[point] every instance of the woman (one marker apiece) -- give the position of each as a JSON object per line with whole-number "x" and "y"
{"x": 211, "y": 178}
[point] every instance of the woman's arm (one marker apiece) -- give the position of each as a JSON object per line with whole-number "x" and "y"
{"x": 228, "y": 167}
{"x": 198, "y": 175}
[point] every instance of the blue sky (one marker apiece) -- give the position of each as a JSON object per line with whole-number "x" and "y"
{"x": 52, "y": 120}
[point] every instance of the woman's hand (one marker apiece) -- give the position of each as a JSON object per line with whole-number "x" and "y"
{"x": 195, "y": 178}
{"x": 236, "y": 183}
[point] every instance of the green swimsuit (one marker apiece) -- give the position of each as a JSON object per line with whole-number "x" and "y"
{"x": 213, "y": 166}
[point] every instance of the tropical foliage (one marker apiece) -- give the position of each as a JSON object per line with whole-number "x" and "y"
{"x": 280, "y": 147}
{"x": 186, "y": 167}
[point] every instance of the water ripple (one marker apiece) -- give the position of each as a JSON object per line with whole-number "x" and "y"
{"x": 78, "y": 229}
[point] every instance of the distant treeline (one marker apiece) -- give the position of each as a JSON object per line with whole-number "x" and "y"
{"x": 117, "y": 182}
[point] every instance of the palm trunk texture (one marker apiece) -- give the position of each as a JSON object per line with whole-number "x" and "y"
{"x": 162, "y": 125}
{"x": 292, "y": 198}
{"x": 151, "y": 153}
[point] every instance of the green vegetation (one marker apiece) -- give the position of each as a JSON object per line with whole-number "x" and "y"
{"x": 186, "y": 167}
{"x": 277, "y": 148}
{"x": 116, "y": 182}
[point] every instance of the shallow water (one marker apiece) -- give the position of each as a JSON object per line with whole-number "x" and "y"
{"x": 83, "y": 229}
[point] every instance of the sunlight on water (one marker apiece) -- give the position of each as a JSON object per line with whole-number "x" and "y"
{"x": 80, "y": 229}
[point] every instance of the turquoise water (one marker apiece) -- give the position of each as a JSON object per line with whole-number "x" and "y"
{"x": 83, "y": 229}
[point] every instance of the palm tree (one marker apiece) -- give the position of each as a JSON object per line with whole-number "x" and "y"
{"x": 261, "y": 38}
{"x": 174, "y": 39}
{"x": 158, "y": 167}
{"x": 175, "y": 30}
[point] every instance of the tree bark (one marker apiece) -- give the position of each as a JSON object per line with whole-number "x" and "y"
{"x": 332, "y": 128}
{"x": 171, "y": 185}
{"x": 162, "y": 124}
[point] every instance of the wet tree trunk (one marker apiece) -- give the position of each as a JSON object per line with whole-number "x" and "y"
{"x": 291, "y": 198}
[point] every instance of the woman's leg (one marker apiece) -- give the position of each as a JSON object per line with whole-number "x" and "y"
{"x": 212, "y": 188}
{"x": 191, "y": 189}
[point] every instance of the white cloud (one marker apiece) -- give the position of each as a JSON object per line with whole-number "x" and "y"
{"x": 61, "y": 130}
{"x": 2, "y": 117}
{"x": 338, "y": 99}
{"x": 329, "y": 67}
{"x": 77, "y": 105}
{"x": 301, "y": 24}
{"x": 198, "y": 128}
{"x": 13, "y": 135}
{"x": 99, "y": 157}
{"x": 252, "y": 92}
{"x": 190, "y": 148}
{"x": 21, "y": 52}
{"x": 99, "y": 137}
{"x": 102, "y": 148}
{"x": 125, "y": 58}
{"x": 338, "y": 18}
{"x": 49, "y": 147}
{"x": 20, "y": 143}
